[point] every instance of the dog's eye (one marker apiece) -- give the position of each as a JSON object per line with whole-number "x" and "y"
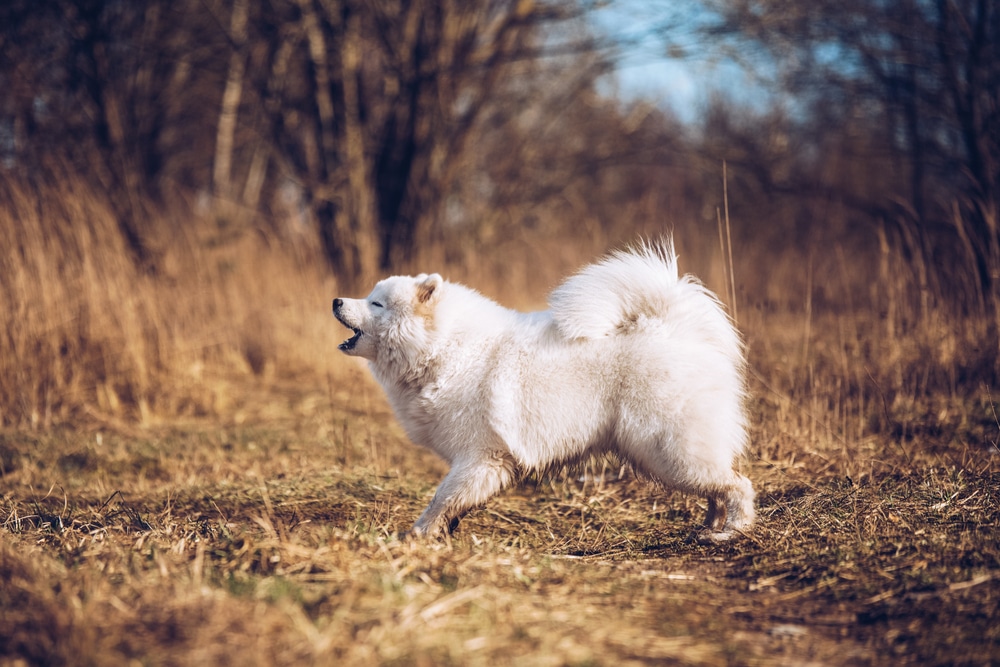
{"x": 376, "y": 304}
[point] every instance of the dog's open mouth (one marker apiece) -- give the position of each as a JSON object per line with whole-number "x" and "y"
{"x": 349, "y": 344}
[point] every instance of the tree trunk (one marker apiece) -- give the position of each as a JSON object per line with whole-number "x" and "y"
{"x": 361, "y": 203}
{"x": 226, "y": 133}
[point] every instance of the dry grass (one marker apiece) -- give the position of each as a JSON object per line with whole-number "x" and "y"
{"x": 189, "y": 474}
{"x": 89, "y": 335}
{"x": 273, "y": 544}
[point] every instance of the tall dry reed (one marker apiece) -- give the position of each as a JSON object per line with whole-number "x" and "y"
{"x": 847, "y": 335}
{"x": 88, "y": 333}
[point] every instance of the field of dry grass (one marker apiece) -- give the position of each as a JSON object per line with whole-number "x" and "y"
{"x": 191, "y": 474}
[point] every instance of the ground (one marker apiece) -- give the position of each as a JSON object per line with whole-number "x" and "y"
{"x": 269, "y": 538}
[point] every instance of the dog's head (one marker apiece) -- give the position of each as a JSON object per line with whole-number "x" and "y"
{"x": 392, "y": 324}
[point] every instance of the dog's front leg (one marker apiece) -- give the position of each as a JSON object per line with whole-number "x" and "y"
{"x": 469, "y": 483}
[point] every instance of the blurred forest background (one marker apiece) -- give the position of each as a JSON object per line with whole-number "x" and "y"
{"x": 184, "y": 185}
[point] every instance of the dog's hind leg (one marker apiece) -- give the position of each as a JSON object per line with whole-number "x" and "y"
{"x": 730, "y": 510}
{"x": 739, "y": 498}
{"x": 716, "y": 519}
{"x": 468, "y": 484}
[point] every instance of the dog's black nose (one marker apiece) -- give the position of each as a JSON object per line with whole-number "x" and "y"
{"x": 337, "y": 303}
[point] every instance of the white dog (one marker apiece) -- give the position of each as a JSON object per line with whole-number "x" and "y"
{"x": 630, "y": 359}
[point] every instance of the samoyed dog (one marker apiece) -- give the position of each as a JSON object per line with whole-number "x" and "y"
{"x": 630, "y": 358}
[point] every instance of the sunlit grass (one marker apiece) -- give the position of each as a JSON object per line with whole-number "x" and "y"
{"x": 191, "y": 474}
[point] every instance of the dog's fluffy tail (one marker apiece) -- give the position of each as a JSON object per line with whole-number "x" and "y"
{"x": 608, "y": 296}
{"x": 614, "y": 295}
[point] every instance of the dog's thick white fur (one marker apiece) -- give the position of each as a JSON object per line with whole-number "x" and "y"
{"x": 630, "y": 358}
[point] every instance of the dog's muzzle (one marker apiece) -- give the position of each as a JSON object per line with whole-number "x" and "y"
{"x": 348, "y": 344}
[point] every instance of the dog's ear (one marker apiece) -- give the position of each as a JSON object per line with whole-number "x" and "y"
{"x": 428, "y": 286}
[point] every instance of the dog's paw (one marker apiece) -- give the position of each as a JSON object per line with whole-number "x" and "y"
{"x": 435, "y": 531}
{"x": 715, "y": 536}
{"x": 414, "y": 535}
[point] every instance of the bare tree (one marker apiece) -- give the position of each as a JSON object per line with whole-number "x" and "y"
{"x": 922, "y": 76}
{"x": 370, "y": 108}
{"x": 102, "y": 87}
{"x": 371, "y": 105}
